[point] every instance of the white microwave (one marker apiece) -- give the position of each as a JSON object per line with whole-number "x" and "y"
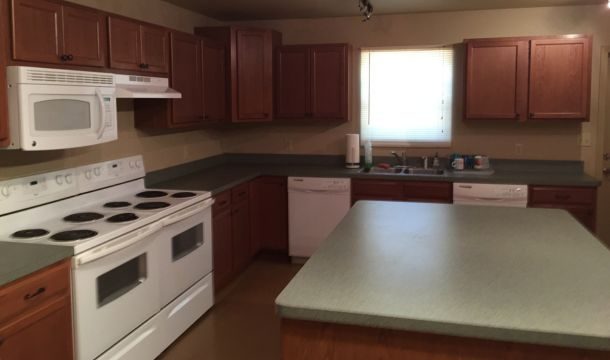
{"x": 60, "y": 109}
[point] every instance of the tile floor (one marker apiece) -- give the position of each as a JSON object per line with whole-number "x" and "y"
{"x": 243, "y": 324}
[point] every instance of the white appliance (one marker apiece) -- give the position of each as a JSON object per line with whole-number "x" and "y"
{"x": 352, "y": 151}
{"x": 59, "y": 109}
{"x": 143, "y": 258}
{"x": 144, "y": 87}
{"x": 490, "y": 195}
{"x": 315, "y": 207}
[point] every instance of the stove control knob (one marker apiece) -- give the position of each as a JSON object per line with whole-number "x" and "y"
{"x": 132, "y": 164}
{"x": 138, "y": 163}
{"x": 59, "y": 180}
{"x": 97, "y": 171}
{"x": 88, "y": 174}
{"x": 5, "y": 191}
{"x": 68, "y": 179}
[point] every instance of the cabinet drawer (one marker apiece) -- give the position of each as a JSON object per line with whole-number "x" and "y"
{"x": 222, "y": 203}
{"x": 376, "y": 189}
{"x": 428, "y": 191}
{"x": 34, "y": 290}
{"x": 562, "y": 195}
{"x": 240, "y": 193}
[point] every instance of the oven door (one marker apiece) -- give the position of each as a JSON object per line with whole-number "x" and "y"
{"x": 60, "y": 117}
{"x": 115, "y": 289}
{"x": 185, "y": 249}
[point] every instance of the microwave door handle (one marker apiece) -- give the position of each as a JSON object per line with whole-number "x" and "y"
{"x": 100, "y": 97}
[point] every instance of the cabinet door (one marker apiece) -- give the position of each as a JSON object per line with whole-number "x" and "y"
{"x": 329, "y": 87}
{"x": 222, "y": 249}
{"x": 497, "y": 79}
{"x": 214, "y": 82}
{"x": 292, "y": 83}
{"x": 124, "y": 37}
{"x": 428, "y": 191}
{"x": 37, "y": 31}
{"x": 84, "y": 36}
{"x": 269, "y": 214}
{"x": 560, "y": 78}
{"x": 254, "y": 75}
{"x": 241, "y": 236}
{"x": 186, "y": 78}
{"x": 44, "y": 333}
{"x": 4, "y": 131}
{"x": 155, "y": 49}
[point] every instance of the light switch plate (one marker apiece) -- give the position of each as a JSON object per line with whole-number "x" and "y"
{"x": 585, "y": 139}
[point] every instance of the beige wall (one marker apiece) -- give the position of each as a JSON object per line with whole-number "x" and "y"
{"x": 159, "y": 151}
{"x": 540, "y": 141}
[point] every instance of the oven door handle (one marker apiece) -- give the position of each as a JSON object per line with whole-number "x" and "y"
{"x": 116, "y": 245}
{"x": 187, "y": 213}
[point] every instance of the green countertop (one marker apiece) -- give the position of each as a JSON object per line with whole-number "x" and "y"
{"x": 219, "y": 178}
{"x": 522, "y": 275}
{"x": 18, "y": 260}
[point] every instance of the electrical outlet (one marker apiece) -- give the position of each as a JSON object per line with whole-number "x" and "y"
{"x": 519, "y": 149}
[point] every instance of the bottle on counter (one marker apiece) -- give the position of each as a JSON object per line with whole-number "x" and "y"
{"x": 368, "y": 154}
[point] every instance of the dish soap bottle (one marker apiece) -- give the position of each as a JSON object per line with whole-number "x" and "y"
{"x": 368, "y": 155}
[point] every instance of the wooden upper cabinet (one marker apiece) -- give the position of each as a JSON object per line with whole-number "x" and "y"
{"x": 4, "y": 130}
{"x": 48, "y": 32}
{"x": 154, "y": 48}
{"x": 249, "y": 70}
{"x": 497, "y": 79}
{"x": 311, "y": 82}
{"x": 254, "y": 79}
{"x": 329, "y": 89}
{"x": 292, "y": 82}
{"x": 528, "y": 78}
{"x": 560, "y": 78}
{"x": 37, "y": 31}
{"x": 186, "y": 78}
{"x": 84, "y": 36}
{"x": 138, "y": 47}
{"x": 124, "y": 38}
{"x": 214, "y": 82}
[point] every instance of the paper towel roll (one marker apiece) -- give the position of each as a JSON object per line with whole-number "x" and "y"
{"x": 352, "y": 152}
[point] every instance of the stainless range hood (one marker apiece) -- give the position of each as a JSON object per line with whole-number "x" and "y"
{"x": 144, "y": 87}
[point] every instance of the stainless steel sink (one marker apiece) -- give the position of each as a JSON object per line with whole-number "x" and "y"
{"x": 405, "y": 171}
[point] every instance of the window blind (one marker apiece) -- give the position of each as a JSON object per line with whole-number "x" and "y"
{"x": 406, "y": 96}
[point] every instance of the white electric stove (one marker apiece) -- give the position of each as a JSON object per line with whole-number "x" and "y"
{"x": 142, "y": 265}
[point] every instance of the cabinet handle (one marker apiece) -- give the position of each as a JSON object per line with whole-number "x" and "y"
{"x": 142, "y": 66}
{"x": 70, "y": 57}
{"x": 532, "y": 115}
{"x": 266, "y": 115}
{"x": 63, "y": 57}
{"x": 36, "y": 293}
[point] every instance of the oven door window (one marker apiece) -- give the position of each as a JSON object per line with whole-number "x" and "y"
{"x": 187, "y": 242}
{"x": 62, "y": 115}
{"x": 120, "y": 280}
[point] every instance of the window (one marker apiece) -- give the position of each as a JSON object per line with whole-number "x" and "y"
{"x": 406, "y": 96}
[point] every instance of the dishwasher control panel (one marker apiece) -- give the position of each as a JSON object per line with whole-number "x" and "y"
{"x": 490, "y": 194}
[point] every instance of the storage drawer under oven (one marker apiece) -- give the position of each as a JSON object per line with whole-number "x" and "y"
{"x": 185, "y": 246}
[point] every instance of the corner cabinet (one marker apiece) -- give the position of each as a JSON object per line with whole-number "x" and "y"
{"x": 528, "y": 78}
{"x": 581, "y": 202}
{"x": 311, "y": 82}
{"x": 137, "y": 46}
{"x": 55, "y": 33}
{"x": 36, "y": 318}
{"x": 249, "y": 70}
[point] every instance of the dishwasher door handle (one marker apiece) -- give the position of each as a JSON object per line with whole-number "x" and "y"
{"x": 314, "y": 191}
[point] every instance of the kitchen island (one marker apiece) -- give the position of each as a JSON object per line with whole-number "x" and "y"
{"x": 427, "y": 281}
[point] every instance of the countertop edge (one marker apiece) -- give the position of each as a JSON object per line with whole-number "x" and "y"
{"x": 440, "y": 328}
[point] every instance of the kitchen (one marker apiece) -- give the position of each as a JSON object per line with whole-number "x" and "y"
{"x": 248, "y": 168}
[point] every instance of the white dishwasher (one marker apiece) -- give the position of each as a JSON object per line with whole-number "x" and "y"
{"x": 490, "y": 195}
{"x": 315, "y": 207}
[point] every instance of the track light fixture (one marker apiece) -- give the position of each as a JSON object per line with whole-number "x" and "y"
{"x": 366, "y": 9}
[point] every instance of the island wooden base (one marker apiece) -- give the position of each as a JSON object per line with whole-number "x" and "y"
{"x": 306, "y": 340}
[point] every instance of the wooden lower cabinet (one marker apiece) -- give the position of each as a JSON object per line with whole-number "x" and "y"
{"x": 240, "y": 218}
{"x": 415, "y": 191}
{"x": 222, "y": 228}
{"x": 269, "y": 214}
{"x": 305, "y": 340}
{"x": 37, "y": 316}
{"x": 581, "y": 202}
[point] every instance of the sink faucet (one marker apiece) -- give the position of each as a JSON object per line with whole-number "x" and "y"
{"x": 402, "y": 159}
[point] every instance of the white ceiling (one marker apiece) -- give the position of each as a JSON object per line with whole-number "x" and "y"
{"x": 229, "y": 10}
